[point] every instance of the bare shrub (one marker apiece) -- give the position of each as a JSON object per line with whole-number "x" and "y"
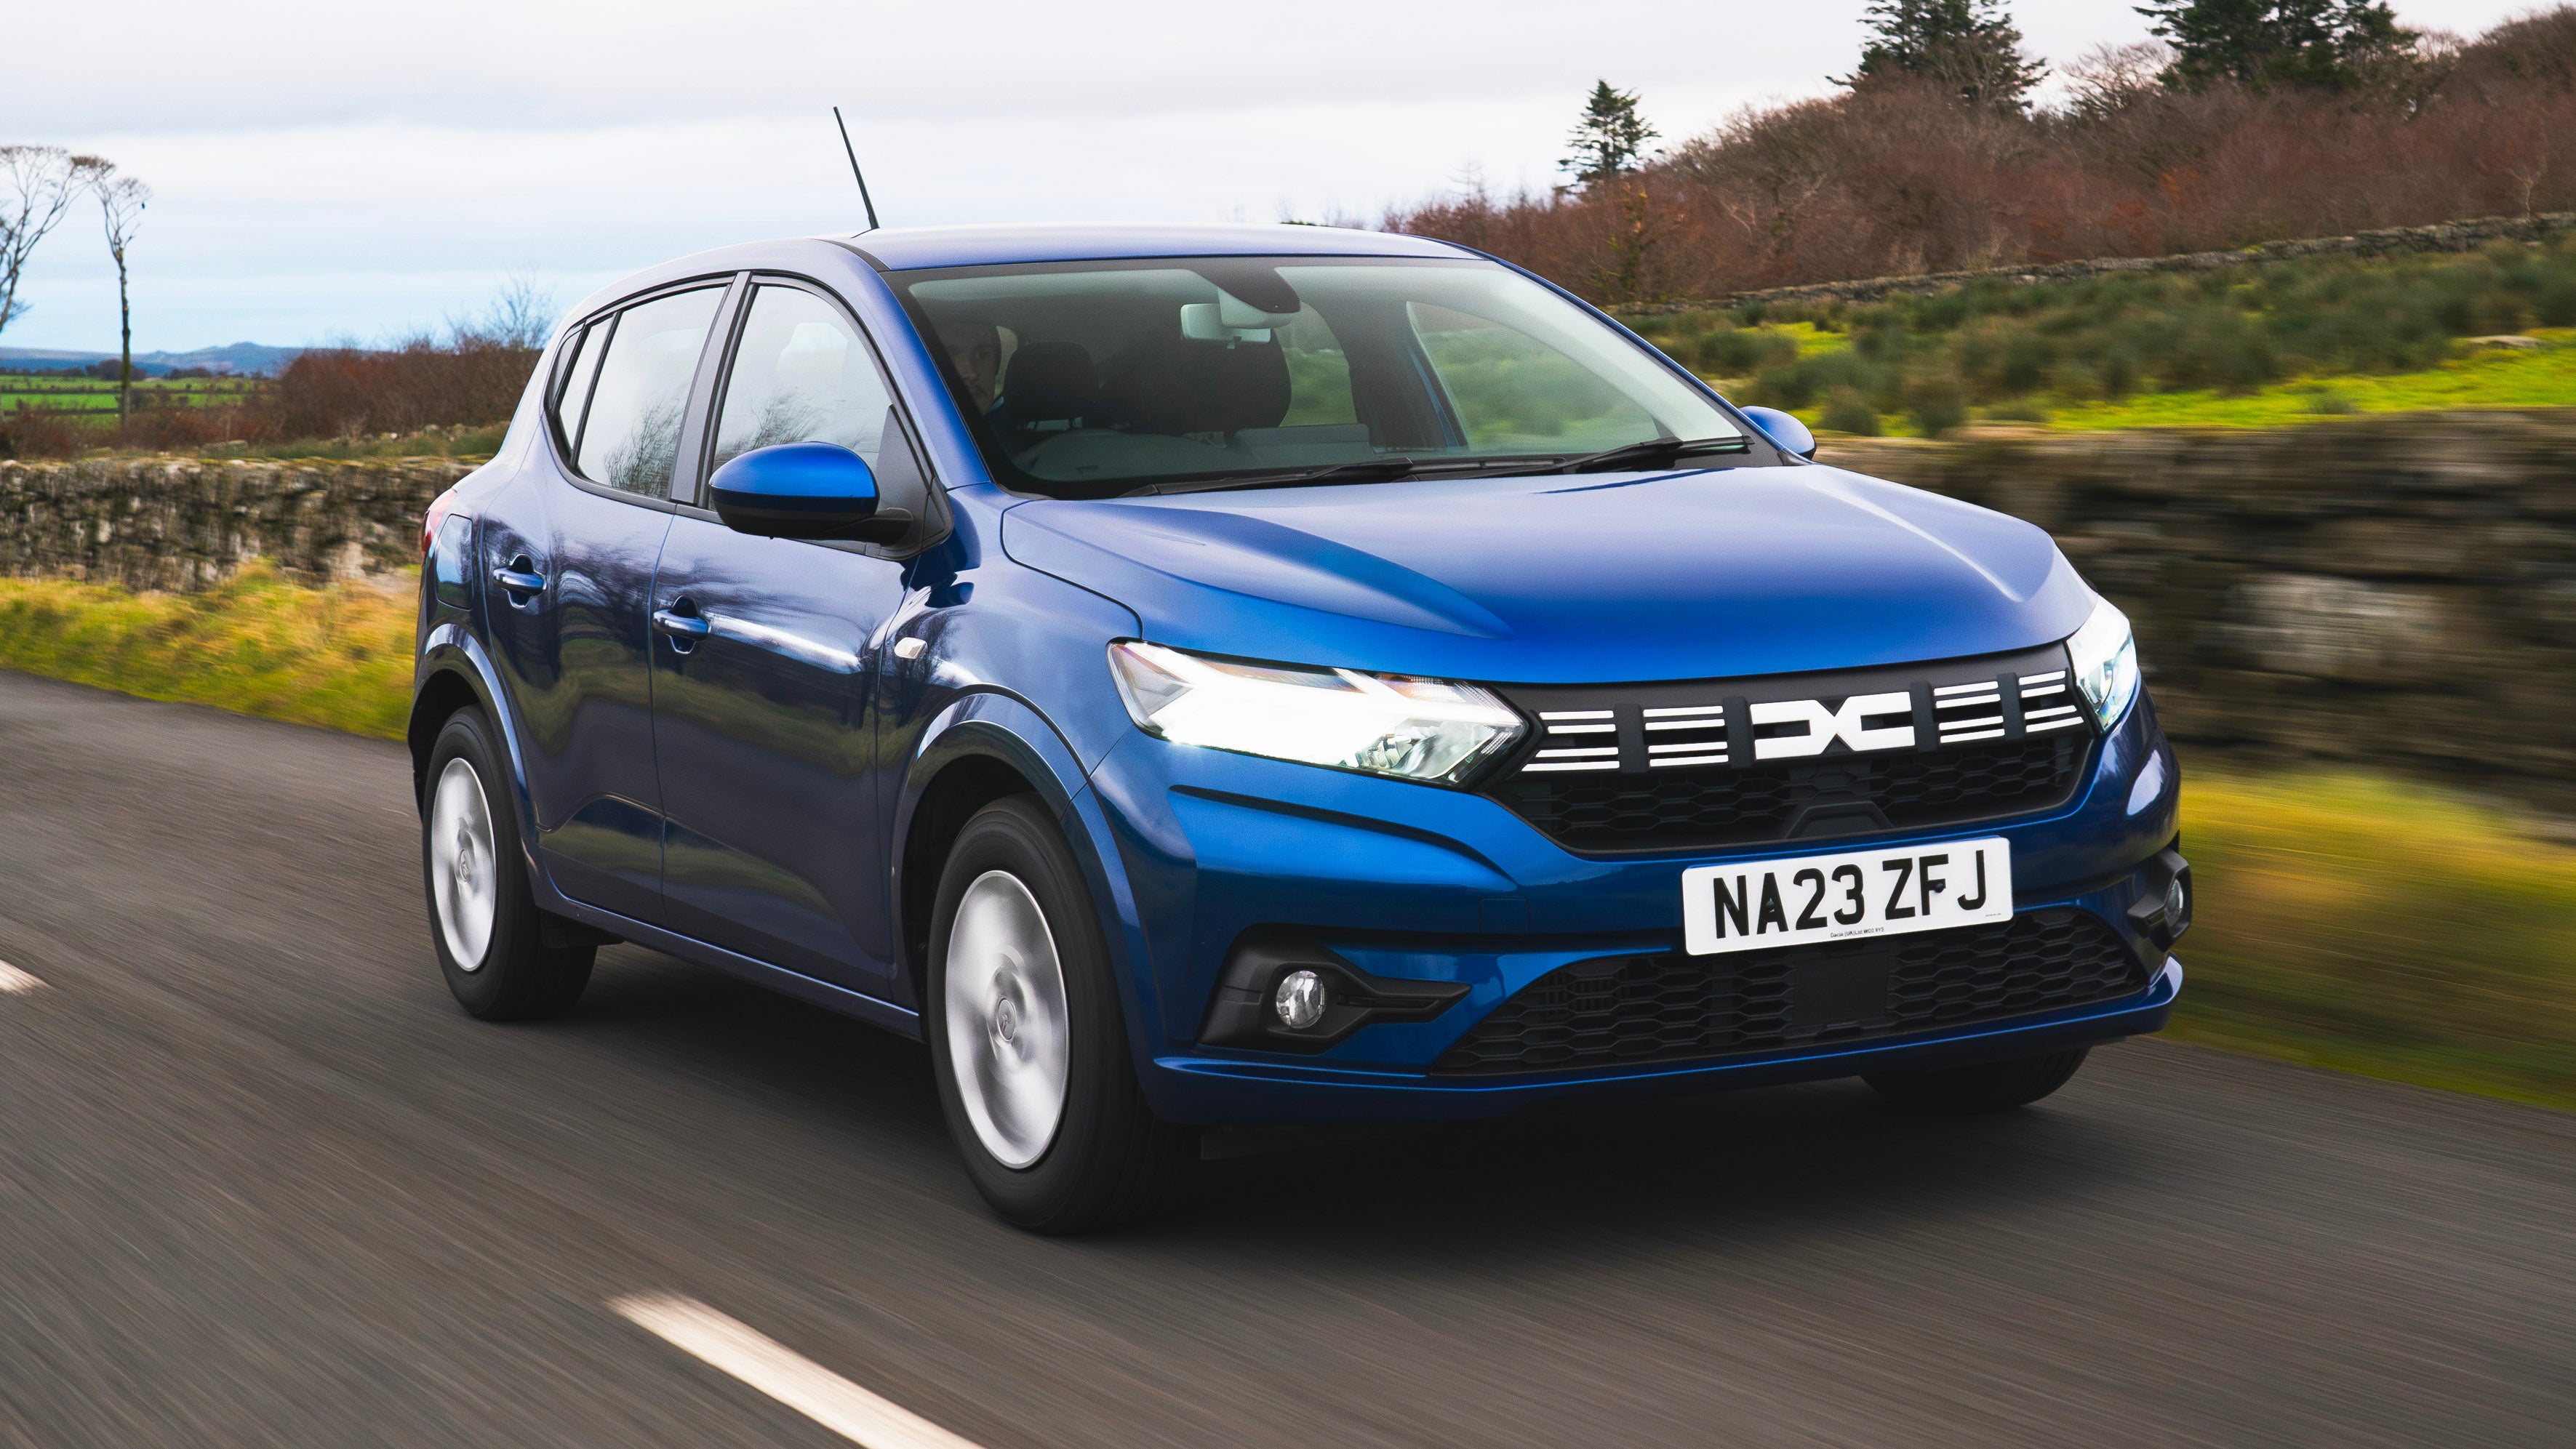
{"x": 342, "y": 392}
{"x": 1898, "y": 177}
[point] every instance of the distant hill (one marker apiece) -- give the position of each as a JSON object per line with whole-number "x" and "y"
{"x": 251, "y": 359}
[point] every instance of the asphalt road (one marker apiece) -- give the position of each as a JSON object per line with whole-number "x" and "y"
{"x": 262, "y": 1183}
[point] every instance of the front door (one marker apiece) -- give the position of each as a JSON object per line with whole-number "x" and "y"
{"x": 568, "y": 572}
{"x": 773, "y": 846}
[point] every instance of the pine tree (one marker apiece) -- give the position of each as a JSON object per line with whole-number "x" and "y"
{"x": 1611, "y": 138}
{"x": 2274, "y": 42}
{"x": 1971, "y": 46}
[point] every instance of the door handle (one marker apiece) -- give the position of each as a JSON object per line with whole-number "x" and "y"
{"x": 688, "y": 627}
{"x": 518, "y": 577}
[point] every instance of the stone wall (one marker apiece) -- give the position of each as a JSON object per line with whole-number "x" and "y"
{"x": 2398, "y": 593}
{"x": 2393, "y": 592}
{"x": 2448, "y": 236}
{"x": 184, "y": 523}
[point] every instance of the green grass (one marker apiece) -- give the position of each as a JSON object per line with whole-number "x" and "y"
{"x": 97, "y": 394}
{"x": 2382, "y": 928}
{"x": 2239, "y": 347}
{"x": 2346, "y": 921}
{"x": 467, "y": 444}
{"x": 2485, "y": 379}
{"x": 339, "y": 657}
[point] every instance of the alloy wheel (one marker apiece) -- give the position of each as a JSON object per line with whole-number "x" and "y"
{"x": 464, "y": 869}
{"x": 1008, "y": 1027}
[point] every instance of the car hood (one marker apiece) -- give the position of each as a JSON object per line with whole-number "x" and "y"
{"x": 1552, "y": 580}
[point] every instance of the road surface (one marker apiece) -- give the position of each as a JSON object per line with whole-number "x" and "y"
{"x": 261, "y": 1183}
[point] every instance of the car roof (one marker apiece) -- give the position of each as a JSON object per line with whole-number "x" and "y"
{"x": 897, "y": 249}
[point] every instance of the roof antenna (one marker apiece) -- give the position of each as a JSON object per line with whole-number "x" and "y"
{"x": 864, "y": 199}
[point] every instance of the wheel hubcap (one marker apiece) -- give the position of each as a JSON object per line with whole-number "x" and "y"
{"x": 464, "y": 871}
{"x": 1007, "y": 1024}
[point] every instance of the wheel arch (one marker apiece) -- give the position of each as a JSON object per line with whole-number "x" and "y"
{"x": 984, "y": 747}
{"x": 453, "y": 675}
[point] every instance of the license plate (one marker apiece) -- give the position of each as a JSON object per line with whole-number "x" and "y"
{"x": 1767, "y": 903}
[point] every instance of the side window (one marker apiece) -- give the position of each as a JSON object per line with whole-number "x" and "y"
{"x": 1319, "y": 375}
{"x": 572, "y": 388}
{"x": 630, "y": 438}
{"x": 802, "y": 374}
{"x": 1513, "y": 391}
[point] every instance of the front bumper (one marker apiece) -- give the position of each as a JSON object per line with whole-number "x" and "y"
{"x": 1411, "y": 883}
{"x": 1233, "y": 1090}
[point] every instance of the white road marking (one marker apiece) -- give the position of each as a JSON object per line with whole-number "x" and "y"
{"x": 784, "y": 1374}
{"x": 13, "y": 980}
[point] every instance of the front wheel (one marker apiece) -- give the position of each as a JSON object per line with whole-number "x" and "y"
{"x": 1027, "y": 1038}
{"x": 1981, "y": 1087}
{"x": 491, "y": 937}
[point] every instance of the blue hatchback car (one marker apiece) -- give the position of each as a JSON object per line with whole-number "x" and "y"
{"x": 1249, "y": 675}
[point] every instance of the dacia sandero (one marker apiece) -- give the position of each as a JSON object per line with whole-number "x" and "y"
{"x": 1201, "y": 677}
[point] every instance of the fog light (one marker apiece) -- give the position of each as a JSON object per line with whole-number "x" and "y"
{"x": 1299, "y": 1000}
{"x": 2175, "y": 904}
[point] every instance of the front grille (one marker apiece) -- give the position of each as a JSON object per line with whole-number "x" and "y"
{"x": 1602, "y": 814}
{"x": 1636, "y": 1010}
{"x": 1625, "y": 769}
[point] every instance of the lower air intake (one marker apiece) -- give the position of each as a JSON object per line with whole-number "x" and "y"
{"x": 1636, "y": 1010}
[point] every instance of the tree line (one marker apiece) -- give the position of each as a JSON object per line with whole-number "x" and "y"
{"x": 1945, "y": 148}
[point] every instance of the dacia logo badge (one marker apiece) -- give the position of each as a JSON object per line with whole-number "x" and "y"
{"x": 1849, "y": 724}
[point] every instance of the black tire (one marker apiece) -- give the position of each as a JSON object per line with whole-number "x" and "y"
{"x": 518, "y": 975}
{"x": 1982, "y": 1087}
{"x": 1110, "y": 1161}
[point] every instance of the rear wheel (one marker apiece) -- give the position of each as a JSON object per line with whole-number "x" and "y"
{"x": 1027, "y": 1038}
{"x": 491, "y": 938}
{"x": 1982, "y": 1087}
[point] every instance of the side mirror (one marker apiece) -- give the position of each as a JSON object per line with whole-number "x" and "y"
{"x": 803, "y": 490}
{"x": 1785, "y": 432}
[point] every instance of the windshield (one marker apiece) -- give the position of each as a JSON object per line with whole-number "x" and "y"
{"x": 1089, "y": 379}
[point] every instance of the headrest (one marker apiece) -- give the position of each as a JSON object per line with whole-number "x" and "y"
{"x": 1179, "y": 385}
{"x": 1050, "y": 382}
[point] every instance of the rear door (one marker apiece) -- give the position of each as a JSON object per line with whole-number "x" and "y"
{"x": 774, "y": 846}
{"x": 568, "y": 569}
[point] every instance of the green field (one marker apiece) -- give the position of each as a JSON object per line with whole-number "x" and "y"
{"x": 22, "y": 391}
{"x": 2480, "y": 378}
{"x": 2250, "y": 346}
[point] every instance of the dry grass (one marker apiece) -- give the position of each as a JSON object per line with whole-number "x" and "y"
{"x": 2383, "y": 928}
{"x": 339, "y": 657}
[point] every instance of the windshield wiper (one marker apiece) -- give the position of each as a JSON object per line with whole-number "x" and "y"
{"x": 1365, "y": 470}
{"x": 1653, "y": 450}
{"x": 1379, "y": 470}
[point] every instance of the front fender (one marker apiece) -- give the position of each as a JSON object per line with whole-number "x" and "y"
{"x": 1001, "y": 727}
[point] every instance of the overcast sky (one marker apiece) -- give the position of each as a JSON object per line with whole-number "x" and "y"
{"x": 330, "y": 171}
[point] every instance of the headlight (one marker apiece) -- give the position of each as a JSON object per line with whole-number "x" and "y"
{"x": 1385, "y": 724}
{"x": 2106, "y": 662}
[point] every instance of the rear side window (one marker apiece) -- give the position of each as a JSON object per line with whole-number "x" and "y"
{"x": 572, "y": 389}
{"x": 630, "y": 436}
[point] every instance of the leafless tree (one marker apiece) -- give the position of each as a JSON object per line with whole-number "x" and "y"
{"x": 521, "y": 315}
{"x": 121, "y": 200}
{"x": 2111, "y": 79}
{"x": 37, "y": 184}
